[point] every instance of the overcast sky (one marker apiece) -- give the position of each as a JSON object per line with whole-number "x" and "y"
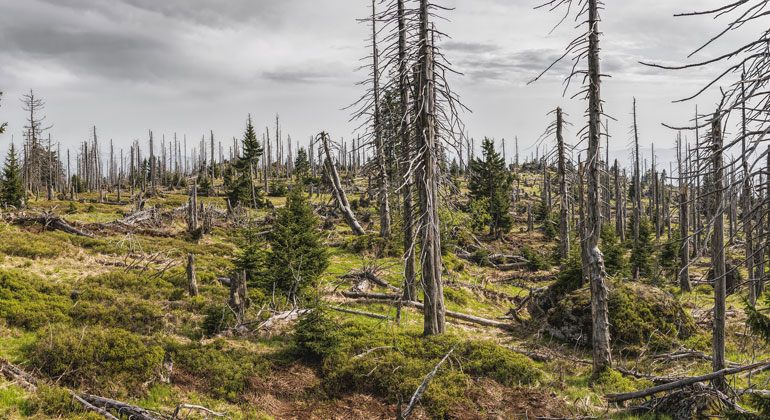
{"x": 190, "y": 66}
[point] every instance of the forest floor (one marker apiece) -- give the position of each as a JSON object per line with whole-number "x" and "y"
{"x": 123, "y": 294}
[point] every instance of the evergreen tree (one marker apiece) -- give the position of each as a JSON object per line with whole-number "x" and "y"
{"x": 641, "y": 254}
{"x": 297, "y": 257}
{"x": 490, "y": 180}
{"x": 12, "y": 187}
{"x": 240, "y": 187}
{"x": 301, "y": 165}
{"x": 614, "y": 254}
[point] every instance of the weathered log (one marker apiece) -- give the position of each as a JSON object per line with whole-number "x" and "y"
{"x": 619, "y": 397}
{"x": 352, "y": 312}
{"x": 368, "y": 276}
{"x": 131, "y": 411}
{"x": 90, "y": 407}
{"x": 388, "y": 298}
{"x": 52, "y": 221}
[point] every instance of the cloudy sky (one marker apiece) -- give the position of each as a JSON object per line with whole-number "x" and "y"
{"x": 190, "y": 66}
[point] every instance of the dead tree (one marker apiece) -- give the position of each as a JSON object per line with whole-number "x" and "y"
{"x": 586, "y": 47}
{"x": 718, "y": 253}
{"x": 239, "y": 300}
{"x": 427, "y": 179}
{"x": 563, "y": 192}
{"x": 192, "y": 209}
{"x": 619, "y": 204}
{"x": 684, "y": 225}
{"x": 192, "y": 281}
{"x": 378, "y": 140}
{"x": 637, "y": 188}
{"x": 410, "y": 272}
{"x": 339, "y": 191}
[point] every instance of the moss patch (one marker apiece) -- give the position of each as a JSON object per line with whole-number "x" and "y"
{"x": 638, "y": 314}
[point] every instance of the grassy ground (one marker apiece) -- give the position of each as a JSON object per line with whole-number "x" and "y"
{"x": 60, "y": 294}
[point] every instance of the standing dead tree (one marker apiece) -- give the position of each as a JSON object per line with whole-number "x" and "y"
{"x": 585, "y": 48}
{"x": 556, "y": 128}
{"x": 747, "y": 93}
{"x": 369, "y": 107}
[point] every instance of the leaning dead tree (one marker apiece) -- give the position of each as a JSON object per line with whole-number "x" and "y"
{"x": 336, "y": 185}
{"x": 585, "y": 49}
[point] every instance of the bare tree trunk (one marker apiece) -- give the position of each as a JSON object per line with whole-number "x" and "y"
{"x": 637, "y": 189}
{"x": 619, "y": 200}
{"x": 582, "y": 223}
{"x": 428, "y": 182}
{"x": 718, "y": 254}
{"x": 410, "y": 272}
{"x": 563, "y": 192}
{"x": 385, "y": 231}
{"x": 602, "y": 357}
{"x": 238, "y": 297}
{"x": 192, "y": 281}
{"x": 192, "y": 223}
{"x": 684, "y": 226}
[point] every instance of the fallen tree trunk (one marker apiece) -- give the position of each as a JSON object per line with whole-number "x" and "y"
{"x": 131, "y": 411}
{"x": 350, "y": 311}
{"x": 90, "y": 407}
{"x": 393, "y": 299}
{"x": 53, "y": 221}
{"x": 681, "y": 383}
{"x": 368, "y": 276}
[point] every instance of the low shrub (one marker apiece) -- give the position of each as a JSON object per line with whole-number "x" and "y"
{"x": 535, "y": 261}
{"x": 358, "y": 358}
{"x": 52, "y": 401}
{"x": 26, "y": 301}
{"x": 129, "y": 313}
{"x": 113, "y": 360}
{"x": 29, "y": 245}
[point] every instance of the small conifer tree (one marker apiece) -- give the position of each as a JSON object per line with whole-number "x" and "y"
{"x": 12, "y": 187}
{"x": 241, "y": 187}
{"x": 491, "y": 181}
{"x": 301, "y": 165}
{"x": 641, "y": 254}
{"x": 297, "y": 257}
{"x": 615, "y": 262}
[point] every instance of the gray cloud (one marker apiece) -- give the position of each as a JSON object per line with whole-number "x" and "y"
{"x": 194, "y": 65}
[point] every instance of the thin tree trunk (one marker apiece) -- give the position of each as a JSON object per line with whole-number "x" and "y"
{"x": 718, "y": 254}
{"x": 410, "y": 272}
{"x": 428, "y": 183}
{"x": 564, "y": 244}
{"x": 385, "y": 230}
{"x": 192, "y": 281}
{"x": 602, "y": 358}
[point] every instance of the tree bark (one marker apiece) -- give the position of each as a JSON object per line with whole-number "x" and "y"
{"x": 599, "y": 291}
{"x": 192, "y": 281}
{"x": 339, "y": 191}
{"x": 385, "y": 230}
{"x": 428, "y": 182}
{"x": 410, "y": 272}
{"x": 718, "y": 254}
{"x": 564, "y": 244}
